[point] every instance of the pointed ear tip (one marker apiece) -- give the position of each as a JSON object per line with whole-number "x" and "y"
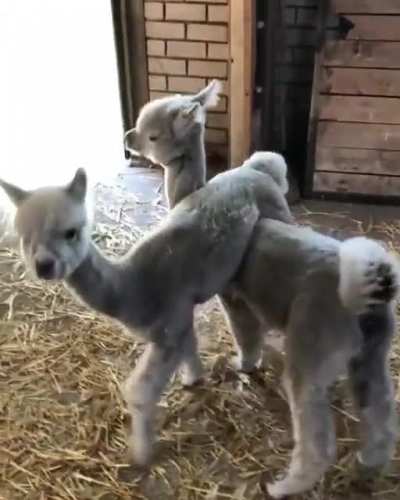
{"x": 80, "y": 172}
{"x": 216, "y": 85}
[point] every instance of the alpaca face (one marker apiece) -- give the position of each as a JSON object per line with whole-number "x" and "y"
{"x": 53, "y": 227}
{"x": 164, "y": 126}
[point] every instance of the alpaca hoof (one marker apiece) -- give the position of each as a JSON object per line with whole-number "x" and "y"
{"x": 245, "y": 365}
{"x": 277, "y": 489}
{"x": 292, "y": 485}
{"x": 192, "y": 373}
{"x": 368, "y": 471}
{"x": 192, "y": 383}
{"x": 190, "y": 379}
{"x": 141, "y": 453}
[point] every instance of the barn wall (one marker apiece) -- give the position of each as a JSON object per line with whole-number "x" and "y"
{"x": 357, "y": 136}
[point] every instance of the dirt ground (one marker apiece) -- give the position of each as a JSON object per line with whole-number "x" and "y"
{"x": 62, "y": 420}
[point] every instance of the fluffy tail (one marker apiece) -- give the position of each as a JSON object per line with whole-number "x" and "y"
{"x": 369, "y": 275}
{"x": 270, "y": 163}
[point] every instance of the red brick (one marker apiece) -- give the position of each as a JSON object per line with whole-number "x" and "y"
{"x": 158, "y": 95}
{"x": 166, "y": 66}
{"x": 157, "y": 82}
{"x": 185, "y": 12}
{"x": 306, "y": 17}
{"x": 153, "y": 10}
{"x": 155, "y": 48}
{"x": 208, "y": 68}
{"x": 192, "y": 50}
{"x": 185, "y": 84}
{"x": 218, "y": 13}
{"x": 207, "y": 1}
{"x": 165, "y": 30}
{"x": 218, "y": 51}
{"x": 207, "y": 32}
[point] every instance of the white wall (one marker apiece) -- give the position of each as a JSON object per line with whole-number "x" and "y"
{"x": 59, "y": 101}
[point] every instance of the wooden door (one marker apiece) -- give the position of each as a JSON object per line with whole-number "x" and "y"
{"x": 355, "y": 128}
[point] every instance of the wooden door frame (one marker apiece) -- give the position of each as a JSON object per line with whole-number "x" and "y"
{"x": 130, "y": 44}
{"x": 241, "y": 41}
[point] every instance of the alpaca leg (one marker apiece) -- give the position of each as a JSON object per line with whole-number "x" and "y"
{"x": 192, "y": 368}
{"x": 247, "y": 331}
{"x": 314, "y": 437}
{"x": 143, "y": 390}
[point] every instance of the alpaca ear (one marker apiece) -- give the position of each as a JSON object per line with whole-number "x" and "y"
{"x": 209, "y": 96}
{"x": 77, "y": 188}
{"x": 187, "y": 116}
{"x": 16, "y": 194}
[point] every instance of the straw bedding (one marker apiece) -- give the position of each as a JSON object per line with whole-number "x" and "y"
{"x": 63, "y": 423}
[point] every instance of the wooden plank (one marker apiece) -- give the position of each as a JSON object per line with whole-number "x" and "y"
{"x": 327, "y": 182}
{"x": 374, "y": 28}
{"x": 359, "y": 135}
{"x": 312, "y": 132}
{"x": 363, "y": 161}
{"x": 241, "y": 79}
{"x": 363, "y": 54}
{"x": 360, "y": 109}
{"x": 366, "y": 6}
{"x": 360, "y": 81}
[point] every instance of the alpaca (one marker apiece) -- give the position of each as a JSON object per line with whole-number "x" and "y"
{"x": 152, "y": 291}
{"x": 178, "y": 146}
{"x": 333, "y": 300}
{"x": 174, "y": 131}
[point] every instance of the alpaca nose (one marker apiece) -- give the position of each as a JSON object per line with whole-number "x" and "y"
{"x": 45, "y": 268}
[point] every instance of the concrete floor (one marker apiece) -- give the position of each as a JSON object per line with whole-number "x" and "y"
{"x": 338, "y": 219}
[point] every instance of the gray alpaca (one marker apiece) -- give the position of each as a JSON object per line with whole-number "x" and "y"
{"x": 181, "y": 152}
{"x": 174, "y": 131}
{"x": 189, "y": 258}
{"x": 334, "y": 301}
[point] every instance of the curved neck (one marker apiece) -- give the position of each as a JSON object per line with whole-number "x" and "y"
{"x": 97, "y": 282}
{"x": 187, "y": 173}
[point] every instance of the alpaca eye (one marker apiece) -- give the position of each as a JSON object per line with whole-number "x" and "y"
{"x": 153, "y": 138}
{"x": 71, "y": 234}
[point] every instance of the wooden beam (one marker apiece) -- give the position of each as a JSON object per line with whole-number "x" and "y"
{"x": 359, "y": 135}
{"x": 312, "y": 133}
{"x": 242, "y": 15}
{"x": 130, "y": 42}
{"x": 376, "y": 185}
{"x": 360, "y": 109}
{"x": 366, "y": 6}
{"x": 358, "y": 161}
{"x": 360, "y": 81}
{"x": 362, "y": 54}
{"x": 374, "y": 27}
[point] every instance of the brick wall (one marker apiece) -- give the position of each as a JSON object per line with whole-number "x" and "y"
{"x": 187, "y": 46}
{"x": 294, "y": 72}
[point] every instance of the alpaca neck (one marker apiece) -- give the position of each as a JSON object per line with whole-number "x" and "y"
{"x": 97, "y": 282}
{"x": 186, "y": 174}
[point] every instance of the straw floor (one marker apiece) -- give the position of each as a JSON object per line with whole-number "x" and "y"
{"x": 63, "y": 423}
